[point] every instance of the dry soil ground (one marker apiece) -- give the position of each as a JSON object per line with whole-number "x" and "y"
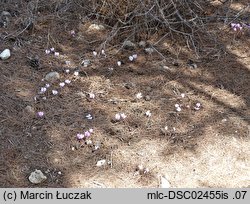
{"x": 209, "y": 147}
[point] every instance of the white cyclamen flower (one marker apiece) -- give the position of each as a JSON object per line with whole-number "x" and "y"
{"x": 131, "y": 58}
{"x": 177, "y": 105}
{"x": 198, "y": 105}
{"x": 43, "y": 89}
{"x": 57, "y": 54}
{"x": 139, "y": 95}
{"x": 148, "y": 113}
{"x": 123, "y": 116}
{"x": 117, "y": 116}
{"x": 54, "y": 92}
{"x": 40, "y": 114}
{"x": 67, "y": 81}
{"x": 76, "y": 73}
{"x": 94, "y": 53}
{"x": 89, "y": 117}
{"x": 134, "y": 56}
{"x": 62, "y": 84}
{"x": 178, "y": 109}
{"x": 91, "y": 95}
{"x": 119, "y": 63}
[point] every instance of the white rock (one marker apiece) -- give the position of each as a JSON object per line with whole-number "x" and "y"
{"x": 96, "y": 27}
{"x": 101, "y": 162}
{"x": 5, "y": 54}
{"x": 52, "y": 76}
{"x": 149, "y": 50}
{"x": 164, "y": 183}
{"x": 29, "y": 110}
{"x": 37, "y": 177}
{"x": 128, "y": 44}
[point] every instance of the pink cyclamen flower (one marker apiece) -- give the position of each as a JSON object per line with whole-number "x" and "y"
{"x": 87, "y": 134}
{"x": 40, "y": 114}
{"x": 80, "y": 136}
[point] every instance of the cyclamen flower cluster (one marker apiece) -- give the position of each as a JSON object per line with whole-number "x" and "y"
{"x": 120, "y": 116}
{"x": 52, "y": 50}
{"x": 236, "y": 26}
{"x": 132, "y": 57}
{"x": 86, "y": 134}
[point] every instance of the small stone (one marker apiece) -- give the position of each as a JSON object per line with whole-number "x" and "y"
{"x": 128, "y": 45}
{"x": 149, "y": 50}
{"x": 147, "y": 98}
{"x": 88, "y": 142}
{"x": 52, "y": 76}
{"x": 5, "y": 19}
{"x": 5, "y": 54}
{"x": 81, "y": 94}
{"x": 164, "y": 183}
{"x": 142, "y": 44}
{"x": 30, "y": 110}
{"x": 192, "y": 64}
{"x": 37, "y": 177}
{"x": 148, "y": 89}
{"x": 86, "y": 63}
{"x": 96, "y": 27}
{"x": 101, "y": 162}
